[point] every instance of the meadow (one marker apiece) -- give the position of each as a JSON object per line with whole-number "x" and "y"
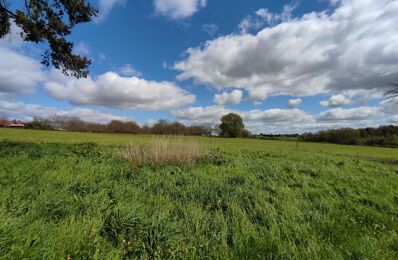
{"x": 74, "y": 195}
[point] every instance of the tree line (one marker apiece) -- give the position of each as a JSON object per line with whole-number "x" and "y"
{"x": 231, "y": 126}
{"x": 381, "y": 136}
{"x": 73, "y": 124}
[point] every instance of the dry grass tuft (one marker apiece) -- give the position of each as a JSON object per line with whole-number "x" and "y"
{"x": 164, "y": 150}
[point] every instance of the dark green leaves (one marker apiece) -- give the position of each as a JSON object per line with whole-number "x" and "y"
{"x": 50, "y": 22}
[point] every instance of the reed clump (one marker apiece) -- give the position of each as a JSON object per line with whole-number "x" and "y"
{"x": 175, "y": 150}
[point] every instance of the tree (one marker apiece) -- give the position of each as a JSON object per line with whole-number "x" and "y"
{"x": 231, "y": 125}
{"x": 51, "y": 22}
{"x": 39, "y": 124}
{"x": 246, "y": 133}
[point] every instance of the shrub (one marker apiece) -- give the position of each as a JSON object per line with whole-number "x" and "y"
{"x": 164, "y": 150}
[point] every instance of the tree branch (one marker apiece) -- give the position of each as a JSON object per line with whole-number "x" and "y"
{"x": 3, "y": 9}
{"x": 27, "y": 9}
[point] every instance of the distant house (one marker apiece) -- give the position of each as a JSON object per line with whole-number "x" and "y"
{"x": 215, "y": 132}
{"x": 12, "y": 124}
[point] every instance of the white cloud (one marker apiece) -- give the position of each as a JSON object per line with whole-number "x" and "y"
{"x": 28, "y": 111}
{"x": 214, "y": 113}
{"x": 394, "y": 119}
{"x": 19, "y": 74}
{"x": 336, "y": 101}
{"x": 276, "y": 115}
{"x": 113, "y": 90}
{"x": 201, "y": 114}
{"x": 82, "y": 49}
{"x": 265, "y": 14}
{"x": 278, "y": 121}
{"x": 359, "y": 113}
{"x": 294, "y": 103}
{"x": 128, "y": 70}
{"x": 105, "y": 7}
{"x": 231, "y": 98}
{"x": 210, "y": 28}
{"x": 354, "y": 47}
{"x": 389, "y": 105}
{"x": 13, "y": 39}
{"x": 264, "y": 17}
{"x": 177, "y": 9}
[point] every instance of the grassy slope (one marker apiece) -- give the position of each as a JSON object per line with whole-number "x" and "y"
{"x": 82, "y": 200}
{"x": 224, "y": 144}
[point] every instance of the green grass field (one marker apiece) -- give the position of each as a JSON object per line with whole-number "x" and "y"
{"x": 229, "y": 145}
{"x": 252, "y": 199}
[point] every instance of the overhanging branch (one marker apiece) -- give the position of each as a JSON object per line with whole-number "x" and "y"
{"x": 3, "y": 9}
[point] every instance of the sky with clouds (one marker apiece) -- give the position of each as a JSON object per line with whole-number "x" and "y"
{"x": 284, "y": 66}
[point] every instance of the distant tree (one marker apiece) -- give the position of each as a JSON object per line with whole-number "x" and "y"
{"x": 231, "y": 125}
{"x": 146, "y": 129}
{"x": 39, "y": 124}
{"x": 176, "y": 128}
{"x": 117, "y": 126}
{"x": 381, "y": 136}
{"x": 160, "y": 127}
{"x": 246, "y": 133}
{"x": 76, "y": 125}
{"x": 132, "y": 127}
{"x": 3, "y": 121}
{"x": 50, "y": 22}
{"x": 59, "y": 121}
{"x": 201, "y": 130}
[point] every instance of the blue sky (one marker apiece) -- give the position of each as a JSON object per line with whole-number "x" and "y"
{"x": 285, "y": 66}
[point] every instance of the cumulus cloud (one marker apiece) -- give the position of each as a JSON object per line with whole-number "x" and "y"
{"x": 214, "y": 113}
{"x": 115, "y": 91}
{"x": 276, "y": 115}
{"x": 359, "y": 113}
{"x": 289, "y": 120}
{"x": 336, "y": 101}
{"x": 264, "y": 17}
{"x": 389, "y": 105}
{"x": 129, "y": 71}
{"x": 177, "y": 9}
{"x": 394, "y": 119}
{"x": 82, "y": 49}
{"x": 353, "y": 47}
{"x": 28, "y": 111}
{"x": 19, "y": 74}
{"x": 106, "y": 6}
{"x": 231, "y": 98}
{"x": 294, "y": 103}
{"x": 201, "y": 114}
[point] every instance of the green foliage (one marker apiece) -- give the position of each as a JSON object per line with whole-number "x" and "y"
{"x": 381, "y": 136}
{"x": 79, "y": 200}
{"x": 231, "y": 125}
{"x": 39, "y": 124}
{"x": 245, "y": 133}
{"x": 51, "y": 22}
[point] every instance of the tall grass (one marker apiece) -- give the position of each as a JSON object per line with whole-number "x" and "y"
{"x": 79, "y": 200}
{"x": 163, "y": 150}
